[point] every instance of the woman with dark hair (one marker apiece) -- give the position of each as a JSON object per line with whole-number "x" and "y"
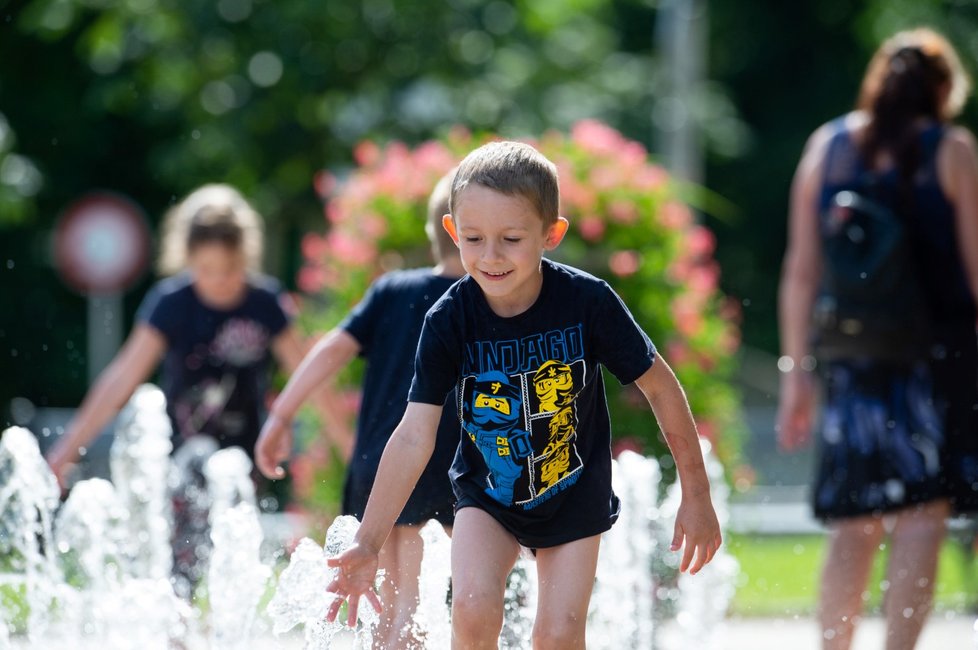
{"x": 899, "y": 436}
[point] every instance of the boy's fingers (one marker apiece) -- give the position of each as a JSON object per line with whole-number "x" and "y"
{"x": 351, "y": 611}
{"x": 374, "y": 600}
{"x": 334, "y": 608}
{"x": 677, "y": 537}
{"x": 687, "y": 556}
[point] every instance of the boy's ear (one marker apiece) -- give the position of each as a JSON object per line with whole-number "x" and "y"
{"x": 449, "y": 225}
{"x": 556, "y": 232}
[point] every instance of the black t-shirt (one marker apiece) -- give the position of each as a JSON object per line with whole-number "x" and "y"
{"x": 536, "y": 436}
{"x": 215, "y": 372}
{"x": 387, "y": 325}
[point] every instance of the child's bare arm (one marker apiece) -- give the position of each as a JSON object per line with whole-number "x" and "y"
{"x": 696, "y": 522}
{"x": 405, "y": 457}
{"x": 330, "y": 354}
{"x": 133, "y": 364}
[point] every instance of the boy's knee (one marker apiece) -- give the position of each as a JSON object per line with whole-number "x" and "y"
{"x": 554, "y": 632}
{"x": 476, "y": 614}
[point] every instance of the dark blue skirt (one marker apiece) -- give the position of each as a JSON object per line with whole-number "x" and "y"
{"x": 881, "y": 442}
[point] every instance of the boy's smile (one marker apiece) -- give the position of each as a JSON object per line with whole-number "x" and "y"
{"x": 502, "y": 239}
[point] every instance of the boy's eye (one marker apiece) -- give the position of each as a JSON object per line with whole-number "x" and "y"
{"x": 472, "y": 239}
{"x": 512, "y": 240}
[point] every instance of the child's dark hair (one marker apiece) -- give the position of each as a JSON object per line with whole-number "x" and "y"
{"x": 211, "y": 214}
{"x": 512, "y": 168}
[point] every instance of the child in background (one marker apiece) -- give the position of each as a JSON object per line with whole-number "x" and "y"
{"x": 523, "y": 339}
{"x": 214, "y": 325}
{"x": 383, "y": 329}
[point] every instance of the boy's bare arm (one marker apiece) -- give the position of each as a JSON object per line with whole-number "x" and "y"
{"x": 327, "y": 357}
{"x": 404, "y": 459}
{"x": 696, "y": 522}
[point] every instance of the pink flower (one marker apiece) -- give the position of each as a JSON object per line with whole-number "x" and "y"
{"x": 677, "y": 352}
{"x": 366, "y": 153}
{"x": 704, "y": 278}
{"x": 687, "y": 316}
{"x": 651, "y": 178}
{"x": 324, "y": 183}
{"x": 314, "y": 247}
{"x": 596, "y": 138}
{"x": 592, "y": 228}
{"x": 311, "y": 279}
{"x": 623, "y": 211}
{"x": 349, "y": 250}
{"x": 624, "y": 263}
{"x": 604, "y": 178}
{"x": 675, "y": 215}
{"x": 700, "y": 242}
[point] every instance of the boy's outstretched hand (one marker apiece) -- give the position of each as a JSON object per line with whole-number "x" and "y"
{"x": 274, "y": 446}
{"x": 696, "y": 525}
{"x": 356, "y": 572}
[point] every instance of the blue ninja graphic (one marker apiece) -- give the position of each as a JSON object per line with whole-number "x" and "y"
{"x": 495, "y": 409}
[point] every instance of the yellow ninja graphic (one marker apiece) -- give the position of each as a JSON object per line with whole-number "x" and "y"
{"x": 553, "y": 384}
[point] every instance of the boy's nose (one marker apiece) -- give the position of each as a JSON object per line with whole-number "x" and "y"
{"x": 490, "y": 252}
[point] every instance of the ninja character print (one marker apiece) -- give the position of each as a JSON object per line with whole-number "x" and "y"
{"x": 525, "y": 427}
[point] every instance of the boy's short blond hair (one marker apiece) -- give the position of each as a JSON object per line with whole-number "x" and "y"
{"x": 442, "y": 244}
{"x": 512, "y": 168}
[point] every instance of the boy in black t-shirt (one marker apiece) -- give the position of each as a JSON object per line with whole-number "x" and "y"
{"x": 523, "y": 340}
{"x": 383, "y": 329}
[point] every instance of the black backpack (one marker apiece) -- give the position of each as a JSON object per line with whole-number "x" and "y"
{"x": 871, "y": 303}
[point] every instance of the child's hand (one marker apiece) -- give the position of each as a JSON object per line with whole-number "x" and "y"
{"x": 273, "y": 447}
{"x": 357, "y": 570}
{"x": 696, "y": 525}
{"x": 62, "y": 458}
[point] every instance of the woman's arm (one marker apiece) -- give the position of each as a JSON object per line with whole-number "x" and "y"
{"x": 131, "y": 366}
{"x": 696, "y": 521}
{"x": 958, "y": 173}
{"x": 328, "y": 356}
{"x": 800, "y": 276}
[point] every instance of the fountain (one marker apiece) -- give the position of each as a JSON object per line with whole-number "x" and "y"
{"x": 98, "y": 575}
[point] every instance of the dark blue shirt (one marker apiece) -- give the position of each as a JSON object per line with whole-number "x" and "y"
{"x": 215, "y": 372}
{"x": 387, "y": 325}
{"x": 536, "y": 435}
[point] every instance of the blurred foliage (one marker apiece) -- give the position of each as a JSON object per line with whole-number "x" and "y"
{"x": 626, "y": 226}
{"x": 151, "y": 98}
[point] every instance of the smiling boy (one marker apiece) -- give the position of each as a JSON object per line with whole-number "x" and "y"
{"x": 532, "y": 469}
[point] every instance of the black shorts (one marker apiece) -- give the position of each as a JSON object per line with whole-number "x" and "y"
{"x": 430, "y": 500}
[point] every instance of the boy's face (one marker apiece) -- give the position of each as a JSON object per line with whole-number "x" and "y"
{"x": 501, "y": 239}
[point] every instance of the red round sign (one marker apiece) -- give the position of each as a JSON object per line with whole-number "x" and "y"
{"x": 101, "y": 243}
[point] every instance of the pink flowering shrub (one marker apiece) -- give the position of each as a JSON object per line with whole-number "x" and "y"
{"x": 627, "y": 226}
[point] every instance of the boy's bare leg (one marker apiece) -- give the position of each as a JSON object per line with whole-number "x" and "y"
{"x": 566, "y": 575}
{"x": 483, "y": 553}
{"x": 914, "y": 548}
{"x": 400, "y": 558}
{"x": 853, "y": 543}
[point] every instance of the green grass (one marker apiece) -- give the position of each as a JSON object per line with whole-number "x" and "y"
{"x": 779, "y": 575}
